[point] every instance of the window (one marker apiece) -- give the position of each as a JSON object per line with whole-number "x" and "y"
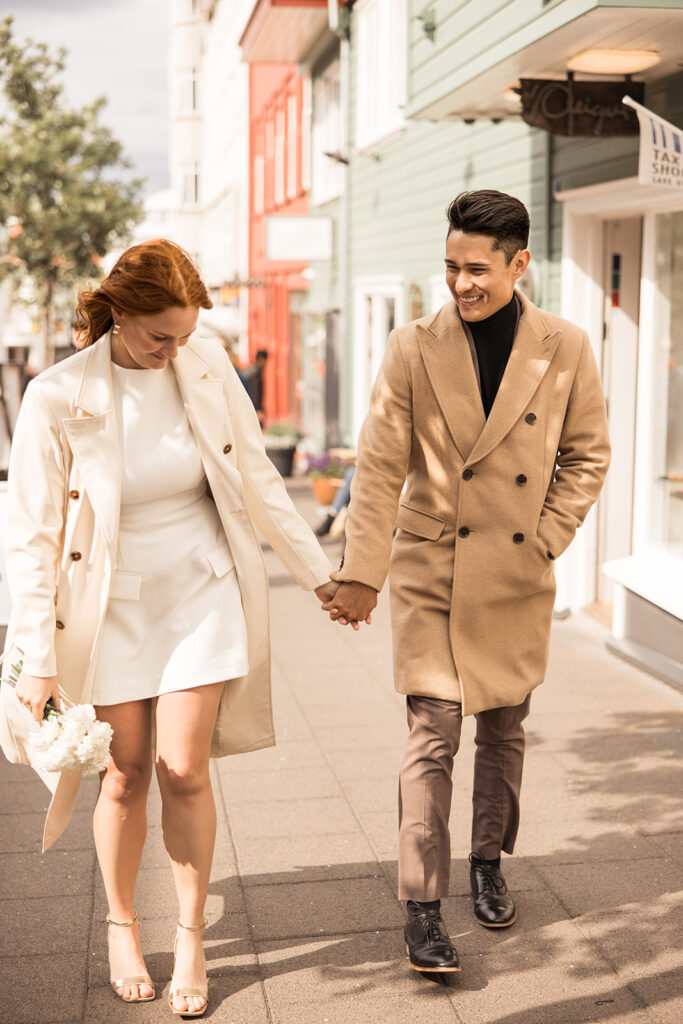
{"x": 667, "y": 441}
{"x": 279, "y": 158}
{"x": 292, "y": 146}
{"x": 190, "y": 185}
{"x": 328, "y": 173}
{"x": 306, "y": 115}
{"x": 381, "y": 69}
{"x": 378, "y": 309}
{"x": 259, "y": 185}
{"x": 188, "y": 100}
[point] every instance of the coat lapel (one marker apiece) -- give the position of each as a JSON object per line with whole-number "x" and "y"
{"x": 447, "y": 359}
{"x": 93, "y": 437}
{"x": 202, "y": 394}
{"x": 533, "y": 348}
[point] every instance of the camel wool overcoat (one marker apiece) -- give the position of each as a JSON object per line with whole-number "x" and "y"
{"x": 488, "y": 503}
{"x": 63, "y": 503}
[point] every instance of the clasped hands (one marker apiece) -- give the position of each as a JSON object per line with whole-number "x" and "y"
{"x": 348, "y": 603}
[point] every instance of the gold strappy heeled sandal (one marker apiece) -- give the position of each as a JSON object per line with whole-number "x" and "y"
{"x": 138, "y": 979}
{"x": 200, "y": 993}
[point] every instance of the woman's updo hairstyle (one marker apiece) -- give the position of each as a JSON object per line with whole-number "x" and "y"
{"x": 147, "y": 278}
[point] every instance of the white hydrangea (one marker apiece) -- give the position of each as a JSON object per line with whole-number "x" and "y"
{"x": 72, "y": 739}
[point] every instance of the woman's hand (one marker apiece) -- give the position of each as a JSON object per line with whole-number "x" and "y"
{"x": 327, "y": 591}
{"x": 35, "y": 691}
{"x": 352, "y": 603}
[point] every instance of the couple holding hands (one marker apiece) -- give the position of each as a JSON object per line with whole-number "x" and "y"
{"x": 137, "y": 477}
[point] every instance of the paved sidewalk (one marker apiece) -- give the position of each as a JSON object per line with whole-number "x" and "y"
{"x": 304, "y": 923}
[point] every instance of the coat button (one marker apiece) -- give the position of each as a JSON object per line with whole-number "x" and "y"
{"x": 74, "y": 495}
{"x": 518, "y": 538}
{"x": 467, "y": 474}
{"x": 520, "y": 480}
{"x": 75, "y": 556}
{"x": 227, "y": 448}
{"x": 530, "y": 417}
{"x": 464, "y": 531}
{"x": 59, "y": 624}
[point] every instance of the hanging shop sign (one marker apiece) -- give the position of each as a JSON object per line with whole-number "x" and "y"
{"x": 661, "y": 149}
{"x": 579, "y": 108}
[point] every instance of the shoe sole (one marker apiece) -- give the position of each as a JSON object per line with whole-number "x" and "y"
{"x": 429, "y": 970}
{"x": 487, "y": 924}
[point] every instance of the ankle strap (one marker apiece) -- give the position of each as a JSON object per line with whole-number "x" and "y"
{"x": 122, "y": 924}
{"x": 193, "y": 927}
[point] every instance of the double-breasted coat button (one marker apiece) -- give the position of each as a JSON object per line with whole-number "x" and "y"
{"x": 520, "y": 480}
{"x": 467, "y": 474}
{"x": 464, "y": 531}
{"x": 59, "y": 624}
{"x": 74, "y": 495}
{"x": 518, "y": 538}
{"x": 75, "y": 556}
{"x": 227, "y": 448}
{"x": 530, "y": 417}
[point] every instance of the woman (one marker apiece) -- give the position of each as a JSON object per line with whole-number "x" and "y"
{"x": 137, "y": 475}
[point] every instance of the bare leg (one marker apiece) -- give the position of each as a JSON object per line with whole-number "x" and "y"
{"x": 120, "y": 826}
{"x": 184, "y": 727}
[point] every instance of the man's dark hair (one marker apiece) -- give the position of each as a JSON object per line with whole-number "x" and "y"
{"x": 487, "y": 212}
{"x": 262, "y": 353}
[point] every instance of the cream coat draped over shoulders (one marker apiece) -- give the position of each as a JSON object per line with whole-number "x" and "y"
{"x": 64, "y": 501}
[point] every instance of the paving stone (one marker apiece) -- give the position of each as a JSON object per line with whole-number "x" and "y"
{"x": 68, "y": 872}
{"x": 334, "y": 907}
{"x": 306, "y": 858}
{"x": 330, "y": 816}
{"x": 47, "y": 924}
{"x": 279, "y": 784}
{"x": 43, "y": 989}
{"x": 598, "y": 885}
{"x": 578, "y": 841}
{"x": 234, "y": 996}
{"x": 27, "y": 796}
{"x": 291, "y": 754}
{"x": 26, "y": 834}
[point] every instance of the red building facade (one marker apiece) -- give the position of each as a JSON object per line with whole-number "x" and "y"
{"x": 278, "y": 169}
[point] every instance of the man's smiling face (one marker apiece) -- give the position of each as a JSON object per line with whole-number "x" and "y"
{"x": 478, "y": 276}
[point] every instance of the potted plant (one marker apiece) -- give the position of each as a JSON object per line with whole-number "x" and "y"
{"x": 281, "y": 439}
{"x": 327, "y": 475}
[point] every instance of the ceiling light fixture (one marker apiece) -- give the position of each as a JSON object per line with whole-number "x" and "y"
{"x": 613, "y": 62}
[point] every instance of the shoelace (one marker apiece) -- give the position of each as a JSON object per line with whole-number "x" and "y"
{"x": 431, "y": 926}
{"x": 492, "y": 878}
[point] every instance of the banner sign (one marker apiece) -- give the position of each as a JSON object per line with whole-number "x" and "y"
{"x": 568, "y": 107}
{"x": 661, "y": 149}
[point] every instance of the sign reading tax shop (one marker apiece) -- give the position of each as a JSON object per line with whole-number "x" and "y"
{"x": 661, "y": 149}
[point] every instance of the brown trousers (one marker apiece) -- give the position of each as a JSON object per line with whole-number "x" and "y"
{"x": 425, "y": 789}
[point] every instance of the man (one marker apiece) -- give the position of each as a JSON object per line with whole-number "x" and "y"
{"x": 252, "y": 378}
{"x": 493, "y": 412}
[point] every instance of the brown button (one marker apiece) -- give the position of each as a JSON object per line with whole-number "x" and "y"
{"x": 550, "y": 555}
{"x": 467, "y": 474}
{"x": 59, "y": 624}
{"x": 518, "y": 538}
{"x": 227, "y": 448}
{"x": 74, "y": 495}
{"x": 530, "y": 417}
{"x": 75, "y": 556}
{"x": 520, "y": 480}
{"x": 464, "y": 531}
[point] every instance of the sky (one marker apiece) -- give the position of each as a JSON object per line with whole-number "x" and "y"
{"x": 119, "y": 49}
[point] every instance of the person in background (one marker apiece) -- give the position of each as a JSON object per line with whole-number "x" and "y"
{"x": 341, "y": 500}
{"x": 253, "y": 381}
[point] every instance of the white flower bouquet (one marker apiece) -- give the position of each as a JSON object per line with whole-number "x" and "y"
{"x": 68, "y": 739}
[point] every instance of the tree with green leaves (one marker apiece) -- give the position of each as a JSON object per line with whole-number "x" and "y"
{"x": 63, "y": 200}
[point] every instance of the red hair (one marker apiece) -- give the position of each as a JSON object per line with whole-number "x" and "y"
{"x": 147, "y": 278}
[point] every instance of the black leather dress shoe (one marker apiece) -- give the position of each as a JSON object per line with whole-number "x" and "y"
{"x": 428, "y": 944}
{"x": 493, "y": 904}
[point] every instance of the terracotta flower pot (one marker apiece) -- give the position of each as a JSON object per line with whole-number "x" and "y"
{"x": 325, "y": 488}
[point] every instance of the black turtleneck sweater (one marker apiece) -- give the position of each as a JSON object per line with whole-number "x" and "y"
{"x": 493, "y": 338}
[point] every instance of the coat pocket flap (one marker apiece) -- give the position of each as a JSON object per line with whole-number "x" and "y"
{"x": 220, "y": 559}
{"x": 422, "y": 524}
{"x": 125, "y": 586}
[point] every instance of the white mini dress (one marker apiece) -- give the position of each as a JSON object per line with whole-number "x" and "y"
{"x": 175, "y": 619}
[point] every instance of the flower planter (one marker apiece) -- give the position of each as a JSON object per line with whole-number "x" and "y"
{"x": 282, "y": 459}
{"x": 325, "y": 488}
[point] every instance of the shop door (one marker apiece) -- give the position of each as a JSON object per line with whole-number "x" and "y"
{"x": 622, "y": 249}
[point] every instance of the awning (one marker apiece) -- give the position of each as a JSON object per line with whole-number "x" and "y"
{"x": 476, "y": 86}
{"x": 283, "y": 31}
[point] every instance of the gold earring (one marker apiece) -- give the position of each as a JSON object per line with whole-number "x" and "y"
{"x": 116, "y": 328}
